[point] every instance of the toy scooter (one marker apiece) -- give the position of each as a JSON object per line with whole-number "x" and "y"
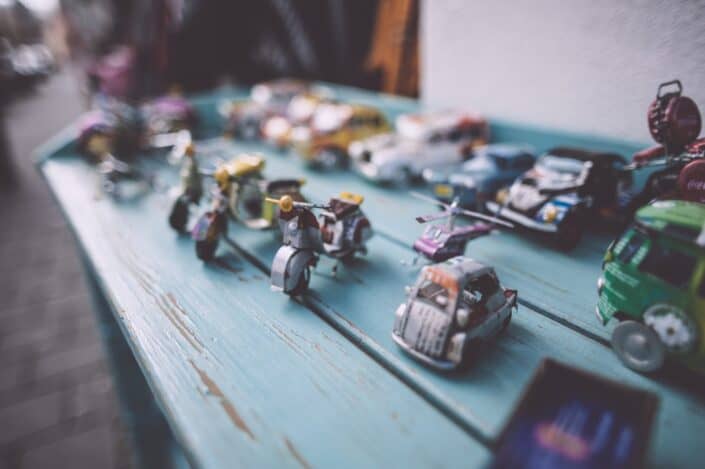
{"x": 342, "y": 232}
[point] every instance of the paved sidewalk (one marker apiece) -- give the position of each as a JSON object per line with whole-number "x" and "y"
{"x": 57, "y": 403}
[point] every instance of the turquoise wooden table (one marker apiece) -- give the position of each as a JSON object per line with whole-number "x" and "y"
{"x": 244, "y": 376}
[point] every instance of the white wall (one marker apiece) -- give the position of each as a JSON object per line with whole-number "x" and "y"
{"x": 588, "y": 66}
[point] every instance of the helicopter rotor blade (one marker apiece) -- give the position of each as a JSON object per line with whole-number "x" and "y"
{"x": 428, "y": 199}
{"x": 433, "y": 217}
{"x": 482, "y": 216}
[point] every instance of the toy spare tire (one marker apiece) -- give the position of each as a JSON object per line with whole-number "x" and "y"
{"x": 638, "y": 347}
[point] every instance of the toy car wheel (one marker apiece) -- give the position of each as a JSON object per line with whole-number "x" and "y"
{"x": 402, "y": 177}
{"x": 179, "y": 214}
{"x": 331, "y": 158}
{"x": 637, "y": 346}
{"x": 302, "y": 284}
{"x": 569, "y": 232}
{"x": 205, "y": 250}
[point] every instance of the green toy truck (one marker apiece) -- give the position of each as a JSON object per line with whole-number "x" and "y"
{"x": 653, "y": 282}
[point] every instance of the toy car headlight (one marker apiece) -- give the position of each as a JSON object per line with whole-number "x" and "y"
{"x": 355, "y": 149}
{"x": 502, "y": 196}
{"x": 462, "y": 317}
{"x": 549, "y": 213}
{"x": 455, "y": 348}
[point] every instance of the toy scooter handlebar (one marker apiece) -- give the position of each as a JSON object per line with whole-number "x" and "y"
{"x": 286, "y": 203}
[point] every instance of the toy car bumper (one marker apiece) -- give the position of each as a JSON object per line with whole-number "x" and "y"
{"x": 445, "y": 365}
{"x": 370, "y": 171}
{"x": 521, "y": 219}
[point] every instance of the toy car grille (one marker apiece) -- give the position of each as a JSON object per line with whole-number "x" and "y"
{"x": 426, "y": 329}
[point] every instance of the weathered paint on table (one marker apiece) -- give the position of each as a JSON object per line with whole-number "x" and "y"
{"x": 247, "y": 375}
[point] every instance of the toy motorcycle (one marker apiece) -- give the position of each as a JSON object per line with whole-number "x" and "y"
{"x": 190, "y": 192}
{"x": 342, "y": 232}
{"x": 674, "y": 122}
{"x": 241, "y": 192}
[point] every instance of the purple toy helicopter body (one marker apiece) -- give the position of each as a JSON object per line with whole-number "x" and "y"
{"x": 441, "y": 242}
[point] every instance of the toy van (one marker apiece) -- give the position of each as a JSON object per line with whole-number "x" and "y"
{"x": 653, "y": 282}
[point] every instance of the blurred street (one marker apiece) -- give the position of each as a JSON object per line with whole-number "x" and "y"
{"x": 57, "y": 403}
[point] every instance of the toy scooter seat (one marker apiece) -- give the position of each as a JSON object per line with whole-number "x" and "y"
{"x": 341, "y": 208}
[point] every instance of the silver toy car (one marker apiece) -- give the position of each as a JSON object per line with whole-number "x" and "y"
{"x": 452, "y": 308}
{"x": 421, "y": 141}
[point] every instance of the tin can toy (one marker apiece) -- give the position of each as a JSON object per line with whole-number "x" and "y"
{"x": 653, "y": 283}
{"x": 342, "y": 231}
{"x": 245, "y": 118}
{"x": 452, "y": 310}
{"x": 562, "y": 191}
{"x": 333, "y": 127}
{"x": 240, "y": 192}
{"x": 440, "y": 242}
{"x": 422, "y": 141}
{"x": 674, "y": 122}
{"x": 488, "y": 169}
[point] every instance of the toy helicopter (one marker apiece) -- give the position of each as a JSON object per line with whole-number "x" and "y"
{"x": 440, "y": 242}
{"x": 342, "y": 232}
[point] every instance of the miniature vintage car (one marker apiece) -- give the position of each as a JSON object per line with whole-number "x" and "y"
{"x": 452, "y": 308}
{"x": 244, "y": 118}
{"x": 653, "y": 283}
{"x": 324, "y": 143}
{"x": 488, "y": 169}
{"x": 276, "y": 130}
{"x": 421, "y": 141}
{"x": 564, "y": 187}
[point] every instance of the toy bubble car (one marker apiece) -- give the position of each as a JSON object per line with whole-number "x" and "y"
{"x": 324, "y": 143}
{"x": 421, "y": 141}
{"x": 453, "y": 307}
{"x": 653, "y": 282}
{"x": 488, "y": 169}
{"x": 564, "y": 187}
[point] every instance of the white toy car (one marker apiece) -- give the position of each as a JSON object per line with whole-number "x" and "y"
{"x": 421, "y": 141}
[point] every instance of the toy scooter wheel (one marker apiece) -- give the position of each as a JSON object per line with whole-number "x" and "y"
{"x": 302, "y": 284}
{"x": 637, "y": 346}
{"x": 569, "y": 232}
{"x": 205, "y": 250}
{"x": 179, "y": 215}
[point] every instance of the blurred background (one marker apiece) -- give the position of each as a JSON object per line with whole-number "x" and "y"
{"x": 582, "y": 66}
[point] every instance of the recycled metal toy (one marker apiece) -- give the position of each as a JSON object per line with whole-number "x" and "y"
{"x": 653, "y": 283}
{"x": 452, "y": 310}
{"x": 440, "y": 242}
{"x": 674, "y": 122}
{"x": 240, "y": 191}
{"x": 342, "y": 232}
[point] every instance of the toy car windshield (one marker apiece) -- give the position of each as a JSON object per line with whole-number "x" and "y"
{"x": 560, "y": 164}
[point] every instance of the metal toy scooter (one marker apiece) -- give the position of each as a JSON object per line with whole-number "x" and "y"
{"x": 342, "y": 232}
